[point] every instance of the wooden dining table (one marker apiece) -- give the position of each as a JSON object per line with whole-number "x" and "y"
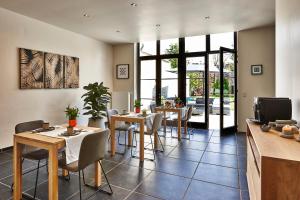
{"x": 52, "y": 144}
{"x": 130, "y": 118}
{"x": 165, "y": 110}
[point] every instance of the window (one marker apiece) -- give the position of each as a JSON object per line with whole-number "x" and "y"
{"x": 195, "y": 43}
{"x": 170, "y": 46}
{"x": 148, "y": 48}
{"x": 148, "y": 82}
{"x": 221, "y": 40}
{"x": 169, "y": 78}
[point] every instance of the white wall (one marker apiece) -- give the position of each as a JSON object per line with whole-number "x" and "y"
{"x": 288, "y": 52}
{"x": 23, "y": 105}
{"x": 255, "y": 46}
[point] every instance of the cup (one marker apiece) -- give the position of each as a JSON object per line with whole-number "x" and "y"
{"x": 124, "y": 112}
{"x": 144, "y": 113}
{"x": 46, "y": 125}
{"x": 70, "y": 130}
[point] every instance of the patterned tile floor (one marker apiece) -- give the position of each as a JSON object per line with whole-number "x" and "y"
{"x": 208, "y": 167}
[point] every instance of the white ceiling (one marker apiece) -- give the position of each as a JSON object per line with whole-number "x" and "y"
{"x": 177, "y": 18}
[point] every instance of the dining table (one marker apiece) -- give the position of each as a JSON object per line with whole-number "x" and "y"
{"x": 53, "y": 145}
{"x": 179, "y": 111}
{"x": 136, "y": 118}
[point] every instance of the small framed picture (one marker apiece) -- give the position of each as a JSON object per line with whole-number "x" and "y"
{"x": 123, "y": 71}
{"x": 256, "y": 69}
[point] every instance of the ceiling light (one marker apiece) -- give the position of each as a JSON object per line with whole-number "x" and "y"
{"x": 118, "y": 31}
{"x": 133, "y": 4}
{"x": 157, "y": 25}
{"x": 86, "y": 15}
{"x": 207, "y": 17}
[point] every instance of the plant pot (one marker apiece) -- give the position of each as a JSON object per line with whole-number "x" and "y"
{"x": 70, "y": 130}
{"x": 137, "y": 109}
{"x": 72, "y": 122}
{"x": 97, "y": 123}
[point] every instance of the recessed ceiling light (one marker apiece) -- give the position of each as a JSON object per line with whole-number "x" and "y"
{"x": 133, "y": 4}
{"x": 157, "y": 25}
{"x": 86, "y": 15}
{"x": 207, "y": 17}
{"x": 118, "y": 31}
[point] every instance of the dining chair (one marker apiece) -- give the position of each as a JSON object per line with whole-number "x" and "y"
{"x": 32, "y": 153}
{"x": 92, "y": 149}
{"x": 122, "y": 127}
{"x": 152, "y": 109}
{"x": 151, "y": 129}
{"x": 185, "y": 120}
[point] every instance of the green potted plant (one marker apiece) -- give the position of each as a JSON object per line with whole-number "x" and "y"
{"x": 72, "y": 113}
{"x": 178, "y": 102}
{"x": 137, "y": 105}
{"x": 95, "y": 103}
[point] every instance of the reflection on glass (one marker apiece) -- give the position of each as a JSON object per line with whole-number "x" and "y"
{"x": 148, "y": 48}
{"x": 146, "y": 103}
{"x": 169, "y": 88}
{"x": 148, "y": 89}
{"x": 221, "y": 40}
{"x": 148, "y": 69}
{"x": 195, "y": 43}
{"x": 229, "y": 90}
{"x": 170, "y": 46}
{"x": 195, "y": 87}
{"x": 169, "y": 68}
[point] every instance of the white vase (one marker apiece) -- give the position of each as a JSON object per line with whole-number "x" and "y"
{"x": 97, "y": 123}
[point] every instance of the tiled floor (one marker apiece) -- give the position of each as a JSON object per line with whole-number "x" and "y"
{"x": 208, "y": 166}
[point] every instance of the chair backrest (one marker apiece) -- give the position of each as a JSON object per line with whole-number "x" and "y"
{"x": 189, "y": 113}
{"x": 28, "y": 126}
{"x": 92, "y": 148}
{"x": 152, "y": 108}
{"x": 157, "y": 122}
{"x": 109, "y": 113}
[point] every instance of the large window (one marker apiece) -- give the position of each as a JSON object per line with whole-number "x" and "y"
{"x": 188, "y": 68}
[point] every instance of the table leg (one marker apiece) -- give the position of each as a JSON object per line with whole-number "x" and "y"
{"x": 112, "y": 137}
{"x": 142, "y": 141}
{"x": 130, "y": 137}
{"x": 155, "y": 139}
{"x": 165, "y": 123}
{"x": 17, "y": 170}
{"x": 185, "y": 127}
{"x": 179, "y": 125}
{"x": 64, "y": 173}
{"x": 53, "y": 174}
{"x": 97, "y": 174}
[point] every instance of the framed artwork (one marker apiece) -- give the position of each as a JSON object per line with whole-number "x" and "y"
{"x": 256, "y": 69}
{"x": 123, "y": 71}
{"x": 71, "y": 72}
{"x": 54, "y": 71}
{"x": 31, "y": 69}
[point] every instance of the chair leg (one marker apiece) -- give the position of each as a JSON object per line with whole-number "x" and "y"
{"x": 106, "y": 178}
{"x": 119, "y": 138}
{"x": 36, "y": 179}
{"x": 153, "y": 150}
{"x": 162, "y": 146}
{"x": 83, "y": 177}
{"x": 79, "y": 184}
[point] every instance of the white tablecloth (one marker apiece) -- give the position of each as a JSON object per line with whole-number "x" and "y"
{"x": 73, "y": 143}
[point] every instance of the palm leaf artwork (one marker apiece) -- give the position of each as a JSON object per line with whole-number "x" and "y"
{"x": 95, "y": 100}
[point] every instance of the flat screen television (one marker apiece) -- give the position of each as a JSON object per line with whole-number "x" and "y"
{"x": 267, "y": 109}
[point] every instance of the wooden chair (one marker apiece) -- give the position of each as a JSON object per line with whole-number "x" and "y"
{"x": 92, "y": 150}
{"x": 32, "y": 153}
{"x": 151, "y": 129}
{"x": 152, "y": 109}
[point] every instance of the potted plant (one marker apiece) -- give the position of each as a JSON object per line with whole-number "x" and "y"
{"x": 178, "y": 102}
{"x": 95, "y": 103}
{"x": 144, "y": 111}
{"x": 72, "y": 113}
{"x": 137, "y": 105}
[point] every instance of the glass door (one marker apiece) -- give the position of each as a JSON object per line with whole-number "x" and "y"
{"x": 228, "y": 90}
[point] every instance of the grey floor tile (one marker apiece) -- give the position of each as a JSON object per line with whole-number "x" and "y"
{"x": 225, "y": 160}
{"x": 230, "y": 140}
{"x": 158, "y": 185}
{"x": 186, "y": 154}
{"x": 217, "y": 174}
{"x": 138, "y": 196}
{"x": 4, "y": 157}
{"x": 221, "y": 148}
{"x": 5, "y": 192}
{"x": 190, "y": 144}
{"x": 199, "y": 190}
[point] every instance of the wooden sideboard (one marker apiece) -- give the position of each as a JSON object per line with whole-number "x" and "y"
{"x": 273, "y": 165}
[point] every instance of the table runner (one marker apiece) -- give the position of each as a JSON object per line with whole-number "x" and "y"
{"x": 73, "y": 143}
